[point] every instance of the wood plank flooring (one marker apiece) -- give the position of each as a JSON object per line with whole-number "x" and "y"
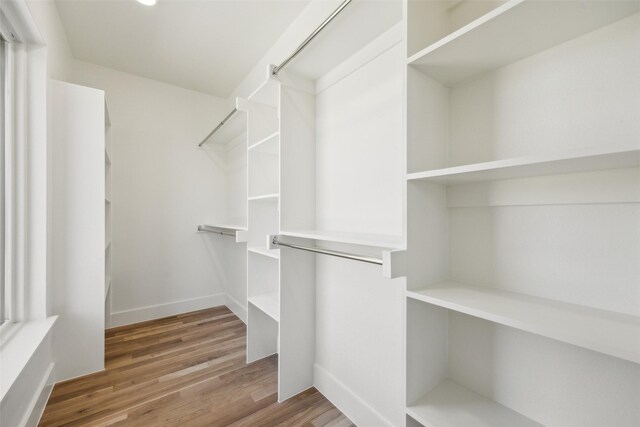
{"x": 186, "y": 370}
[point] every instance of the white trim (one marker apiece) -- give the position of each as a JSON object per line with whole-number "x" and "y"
{"x": 159, "y": 311}
{"x": 237, "y": 308}
{"x": 33, "y": 415}
{"x": 19, "y": 347}
{"x": 343, "y": 398}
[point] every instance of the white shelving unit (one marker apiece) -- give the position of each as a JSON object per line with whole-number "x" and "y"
{"x": 228, "y": 147}
{"x": 108, "y": 214}
{"x": 263, "y": 264}
{"x": 523, "y": 213}
{"x": 80, "y": 149}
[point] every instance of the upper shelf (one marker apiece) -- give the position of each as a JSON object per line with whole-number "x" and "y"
{"x": 571, "y": 161}
{"x": 232, "y": 129}
{"x": 512, "y": 31}
{"x": 230, "y": 230}
{"x": 268, "y": 93}
{"x": 373, "y": 240}
{"x": 603, "y": 331}
{"x": 268, "y": 144}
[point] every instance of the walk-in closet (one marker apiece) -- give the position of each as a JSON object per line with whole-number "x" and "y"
{"x": 320, "y": 212}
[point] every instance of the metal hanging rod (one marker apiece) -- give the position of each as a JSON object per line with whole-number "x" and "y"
{"x": 370, "y": 260}
{"x": 312, "y": 36}
{"x": 214, "y": 230}
{"x": 235, "y": 110}
{"x": 295, "y": 53}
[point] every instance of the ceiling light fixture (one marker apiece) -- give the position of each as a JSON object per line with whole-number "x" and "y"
{"x": 147, "y": 2}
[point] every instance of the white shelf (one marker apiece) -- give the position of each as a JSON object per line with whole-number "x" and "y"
{"x": 107, "y": 158}
{"x": 374, "y": 240}
{"x": 451, "y": 405}
{"x": 269, "y": 304}
{"x": 268, "y": 93}
{"x": 570, "y": 161}
{"x": 232, "y": 129}
{"x": 227, "y": 227}
{"x": 107, "y": 286}
{"x": 107, "y": 200}
{"x": 271, "y": 253}
{"x": 265, "y": 197}
{"x": 606, "y": 332}
{"x": 106, "y": 247}
{"x": 264, "y": 144}
{"x": 514, "y": 31}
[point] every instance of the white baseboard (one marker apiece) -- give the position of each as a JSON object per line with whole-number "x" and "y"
{"x": 237, "y": 308}
{"x": 163, "y": 310}
{"x": 352, "y": 406}
{"x": 41, "y": 398}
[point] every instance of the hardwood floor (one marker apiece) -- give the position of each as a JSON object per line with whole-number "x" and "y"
{"x": 186, "y": 370}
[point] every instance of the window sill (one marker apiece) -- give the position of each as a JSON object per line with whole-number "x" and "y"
{"x": 18, "y": 343}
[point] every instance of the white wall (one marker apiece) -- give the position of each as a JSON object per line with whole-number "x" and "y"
{"x": 162, "y": 187}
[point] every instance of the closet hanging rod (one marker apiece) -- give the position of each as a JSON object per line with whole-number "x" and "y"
{"x": 209, "y": 229}
{"x": 370, "y": 260}
{"x": 235, "y": 110}
{"x": 312, "y": 36}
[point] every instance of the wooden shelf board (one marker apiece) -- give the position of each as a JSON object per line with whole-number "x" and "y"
{"x": 451, "y": 405}
{"x": 269, "y": 304}
{"x": 263, "y": 144}
{"x": 374, "y": 240}
{"x": 265, "y": 197}
{"x": 570, "y": 161}
{"x": 271, "y": 253}
{"x": 603, "y": 331}
{"x": 512, "y": 32}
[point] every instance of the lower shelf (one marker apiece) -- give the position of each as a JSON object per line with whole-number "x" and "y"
{"x": 603, "y": 331}
{"x": 269, "y": 304}
{"x": 451, "y": 405}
